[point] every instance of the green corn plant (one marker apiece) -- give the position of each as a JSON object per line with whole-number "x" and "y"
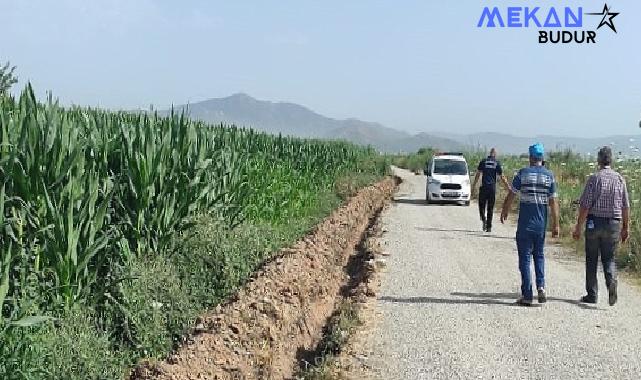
{"x": 5, "y": 257}
{"x": 87, "y": 189}
{"x": 46, "y": 169}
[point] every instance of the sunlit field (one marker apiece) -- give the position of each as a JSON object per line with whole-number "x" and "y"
{"x": 117, "y": 229}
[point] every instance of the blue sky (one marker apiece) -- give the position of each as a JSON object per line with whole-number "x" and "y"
{"x": 412, "y": 65}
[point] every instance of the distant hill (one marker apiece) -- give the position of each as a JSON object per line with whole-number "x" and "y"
{"x": 626, "y": 144}
{"x": 280, "y": 117}
{"x": 421, "y": 140}
{"x": 366, "y": 133}
{"x": 296, "y": 120}
{"x": 243, "y": 110}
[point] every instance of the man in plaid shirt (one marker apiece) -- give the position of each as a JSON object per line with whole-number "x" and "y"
{"x": 605, "y": 212}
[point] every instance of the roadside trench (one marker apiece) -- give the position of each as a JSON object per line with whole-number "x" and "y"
{"x": 274, "y": 326}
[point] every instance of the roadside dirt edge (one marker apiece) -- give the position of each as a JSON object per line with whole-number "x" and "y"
{"x": 278, "y": 317}
{"x": 349, "y": 360}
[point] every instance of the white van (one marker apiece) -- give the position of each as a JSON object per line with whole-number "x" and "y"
{"x": 448, "y": 179}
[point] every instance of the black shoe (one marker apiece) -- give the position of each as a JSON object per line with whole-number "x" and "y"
{"x": 543, "y": 298}
{"x": 588, "y": 299}
{"x": 524, "y": 302}
{"x": 484, "y": 226}
{"x": 488, "y": 229}
{"x": 612, "y": 293}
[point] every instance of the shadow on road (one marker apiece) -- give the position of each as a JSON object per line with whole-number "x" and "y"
{"x": 501, "y": 299}
{"x": 446, "y": 301}
{"x": 420, "y": 202}
{"x": 495, "y": 296}
{"x": 468, "y": 232}
{"x": 433, "y": 229}
{"x": 485, "y": 235}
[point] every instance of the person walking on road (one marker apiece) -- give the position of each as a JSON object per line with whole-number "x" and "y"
{"x": 536, "y": 187}
{"x": 605, "y": 213}
{"x": 489, "y": 168}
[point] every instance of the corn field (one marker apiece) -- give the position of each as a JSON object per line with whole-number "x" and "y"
{"x": 83, "y": 190}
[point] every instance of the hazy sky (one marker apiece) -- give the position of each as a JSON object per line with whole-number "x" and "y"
{"x": 415, "y": 65}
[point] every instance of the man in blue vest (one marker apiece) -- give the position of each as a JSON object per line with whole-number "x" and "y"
{"x": 489, "y": 168}
{"x": 536, "y": 187}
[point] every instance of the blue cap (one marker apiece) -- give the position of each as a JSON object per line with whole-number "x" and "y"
{"x": 537, "y": 150}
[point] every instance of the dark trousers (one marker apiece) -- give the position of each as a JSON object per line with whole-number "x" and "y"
{"x": 601, "y": 237}
{"x": 487, "y": 197}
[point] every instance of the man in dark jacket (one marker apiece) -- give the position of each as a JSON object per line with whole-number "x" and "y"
{"x": 489, "y": 168}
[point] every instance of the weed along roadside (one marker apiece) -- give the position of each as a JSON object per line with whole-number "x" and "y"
{"x": 277, "y": 319}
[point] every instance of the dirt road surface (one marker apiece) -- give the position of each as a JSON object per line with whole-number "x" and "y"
{"x": 446, "y": 309}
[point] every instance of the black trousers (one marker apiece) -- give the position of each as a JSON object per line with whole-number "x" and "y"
{"x": 601, "y": 239}
{"x": 487, "y": 197}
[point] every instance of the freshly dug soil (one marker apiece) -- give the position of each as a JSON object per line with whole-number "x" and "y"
{"x": 277, "y": 319}
{"x": 349, "y": 360}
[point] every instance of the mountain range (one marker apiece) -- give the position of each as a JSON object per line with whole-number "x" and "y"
{"x": 296, "y": 120}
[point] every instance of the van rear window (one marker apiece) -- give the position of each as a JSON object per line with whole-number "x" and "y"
{"x": 450, "y": 167}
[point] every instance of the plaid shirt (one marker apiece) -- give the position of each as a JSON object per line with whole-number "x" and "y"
{"x": 605, "y": 195}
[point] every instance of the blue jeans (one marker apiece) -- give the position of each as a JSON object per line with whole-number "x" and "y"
{"x": 530, "y": 244}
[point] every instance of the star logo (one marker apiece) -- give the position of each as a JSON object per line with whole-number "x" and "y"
{"x": 607, "y": 18}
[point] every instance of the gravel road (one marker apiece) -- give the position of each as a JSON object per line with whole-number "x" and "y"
{"x": 446, "y": 309}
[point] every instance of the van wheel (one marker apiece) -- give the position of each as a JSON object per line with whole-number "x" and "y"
{"x": 467, "y": 203}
